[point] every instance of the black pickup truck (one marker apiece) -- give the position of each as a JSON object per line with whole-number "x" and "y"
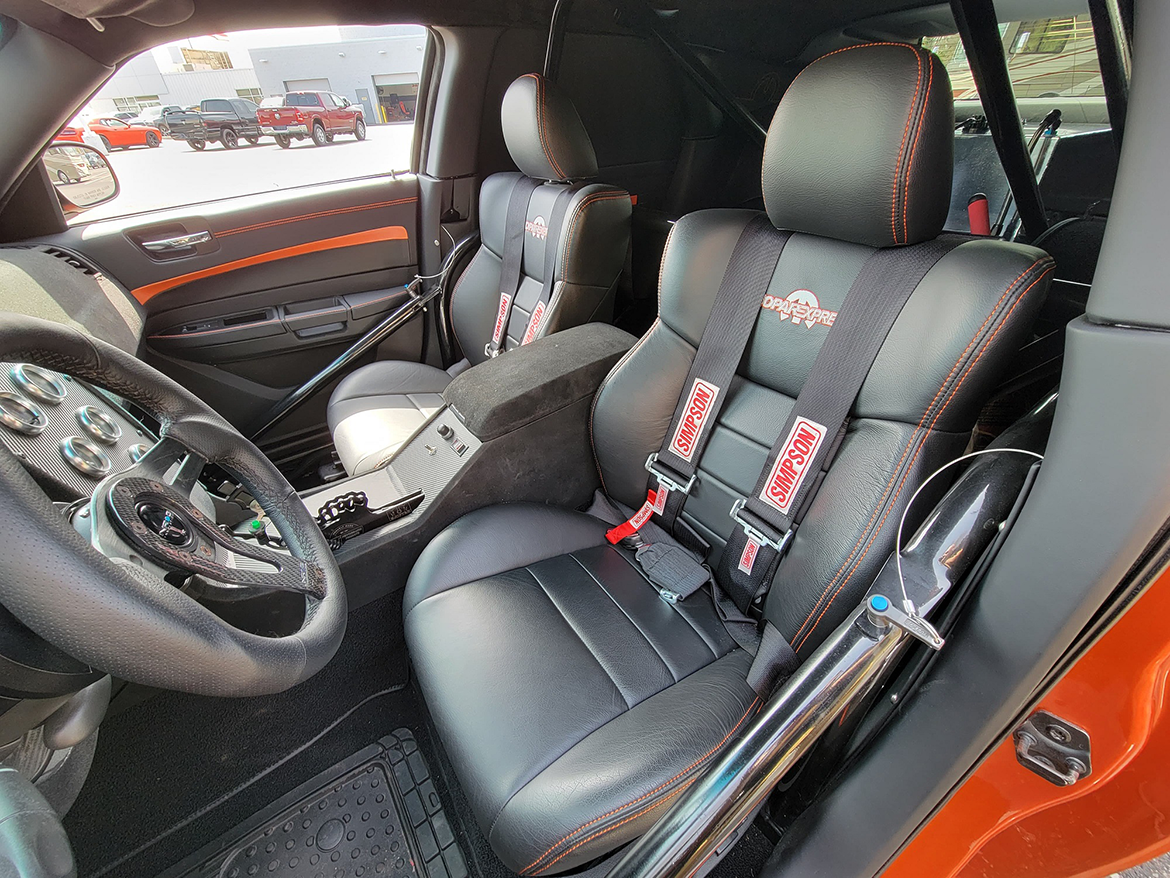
{"x": 218, "y": 120}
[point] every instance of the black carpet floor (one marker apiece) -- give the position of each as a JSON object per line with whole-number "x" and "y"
{"x": 176, "y": 771}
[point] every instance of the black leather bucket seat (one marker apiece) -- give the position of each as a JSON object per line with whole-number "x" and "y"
{"x": 574, "y": 702}
{"x": 377, "y": 408}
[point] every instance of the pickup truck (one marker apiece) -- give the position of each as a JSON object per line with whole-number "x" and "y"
{"x": 218, "y": 120}
{"x": 319, "y": 115}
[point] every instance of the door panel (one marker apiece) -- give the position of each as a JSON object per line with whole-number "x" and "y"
{"x": 247, "y": 298}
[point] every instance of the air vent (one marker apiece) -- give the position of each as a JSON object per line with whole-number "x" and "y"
{"x": 72, "y": 260}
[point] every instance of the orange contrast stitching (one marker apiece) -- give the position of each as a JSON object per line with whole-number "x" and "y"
{"x": 623, "y": 822}
{"x": 914, "y": 146}
{"x": 950, "y": 397}
{"x": 906, "y": 451}
{"x": 579, "y": 212}
{"x": 909, "y": 444}
{"x": 705, "y": 756}
{"x": 917, "y": 87}
{"x": 307, "y": 216}
{"x": 540, "y": 126}
{"x": 628, "y": 354}
{"x": 902, "y": 149}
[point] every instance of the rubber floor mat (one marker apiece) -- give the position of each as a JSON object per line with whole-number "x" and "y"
{"x": 376, "y": 813}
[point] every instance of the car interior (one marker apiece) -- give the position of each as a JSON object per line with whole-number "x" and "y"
{"x": 696, "y": 462}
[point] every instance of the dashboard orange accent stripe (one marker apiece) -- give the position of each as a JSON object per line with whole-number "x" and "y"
{"x": 372, "y": 236}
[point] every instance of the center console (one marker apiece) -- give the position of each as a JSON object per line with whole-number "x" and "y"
{"x": 515, "y": 428}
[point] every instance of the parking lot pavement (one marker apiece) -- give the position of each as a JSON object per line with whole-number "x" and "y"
{"x": 174, "y": 174}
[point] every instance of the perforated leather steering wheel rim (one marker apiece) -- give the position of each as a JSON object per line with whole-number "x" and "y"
{"x": 121, "y": 619}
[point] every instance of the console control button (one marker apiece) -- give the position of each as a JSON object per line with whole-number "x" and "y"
{"x": 445, "y": 431}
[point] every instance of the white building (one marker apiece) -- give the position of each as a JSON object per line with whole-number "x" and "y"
{"x": 375, "y": 67}
{"x": 141, "y": 83}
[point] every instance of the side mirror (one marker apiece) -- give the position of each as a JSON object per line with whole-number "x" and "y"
{"x": 345, "y": 102}
{"x": 81, "y": 176}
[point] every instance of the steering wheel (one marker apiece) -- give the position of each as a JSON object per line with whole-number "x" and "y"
{"x": 105, "y": 601}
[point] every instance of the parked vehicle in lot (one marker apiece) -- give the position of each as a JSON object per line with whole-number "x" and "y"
{"x": 118, "y": 134}
{"x": 155, "y": 117}
{"x": 218, "y": 120}
{"x": 75, "y": 132}
{"x": 66, "y": 165}
{"x": 320, "y": 115}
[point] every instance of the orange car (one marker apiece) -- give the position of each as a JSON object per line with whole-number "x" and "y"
{"x": 116, "y": 134}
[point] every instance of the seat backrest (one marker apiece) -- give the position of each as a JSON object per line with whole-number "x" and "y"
{"x": 547, "y": 141}
{"x": 858, "y": 157}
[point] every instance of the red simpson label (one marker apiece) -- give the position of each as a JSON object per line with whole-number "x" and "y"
{"x": 747, "y": 560}
{"x": 498, "y": 332}
{"x": 792, "y": 464}
{"x": 690, "y": 428}
{"x": 534, "y": 323}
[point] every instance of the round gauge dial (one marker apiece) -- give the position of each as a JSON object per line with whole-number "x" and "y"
{"x": 136, "y": 451}
{"x": 85, "y": 457}
{"x": 99, "y": 424}
{"x": 38, "y": 383}
{"x": 21, "y": 415}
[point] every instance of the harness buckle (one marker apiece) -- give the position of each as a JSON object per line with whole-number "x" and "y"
{"x": 755, "y": 533}
{"x": 490, "y": 352}
{"x": 656, "y": 469}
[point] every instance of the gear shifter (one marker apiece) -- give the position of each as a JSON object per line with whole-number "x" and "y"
{"x": 348, "y": 515}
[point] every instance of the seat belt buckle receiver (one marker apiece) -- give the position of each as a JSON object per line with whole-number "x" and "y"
{"x": 755, "y": 533}
{"x": 490, "y": 352}
{"x": 657, "y": 470}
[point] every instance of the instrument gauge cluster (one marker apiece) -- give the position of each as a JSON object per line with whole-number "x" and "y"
{"x": 67, "y": 433}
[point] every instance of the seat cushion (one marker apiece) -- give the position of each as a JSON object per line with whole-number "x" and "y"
{"x": 573, "y": 701}
{"x": 377, "y": 408}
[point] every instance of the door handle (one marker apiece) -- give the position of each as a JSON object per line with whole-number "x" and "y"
{"x": 179, "y": 242}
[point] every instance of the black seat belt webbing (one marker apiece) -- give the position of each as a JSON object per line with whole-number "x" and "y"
{"x": 552, "y": 246}
{"x": 733, "y": 317}
{"x": 768, "y": 517}
{"x": 512, "y": 259}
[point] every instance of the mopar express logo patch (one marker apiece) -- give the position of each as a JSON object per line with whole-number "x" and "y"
{"x": 800, "y": 306}
{"x": 537, "y": 228}
{"x": 698, "y": 409}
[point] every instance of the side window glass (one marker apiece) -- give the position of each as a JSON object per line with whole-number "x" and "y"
{"x": 285, "y": 69}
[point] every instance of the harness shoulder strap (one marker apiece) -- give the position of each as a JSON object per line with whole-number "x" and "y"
{"x": 512, "y": 259}
{"x": 769, "y": 516}
{"x": 733, "y": 317}
{"x": 552, "y": 247}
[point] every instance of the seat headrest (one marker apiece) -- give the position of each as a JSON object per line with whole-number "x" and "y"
{"x": 861, "y": 147}
{"x": 543, "y": 132}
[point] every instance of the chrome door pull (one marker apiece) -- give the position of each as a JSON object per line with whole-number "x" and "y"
{"x": 179, "y": 242}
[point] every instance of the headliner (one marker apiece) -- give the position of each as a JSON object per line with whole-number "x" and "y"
{"x": 773, "y": 30}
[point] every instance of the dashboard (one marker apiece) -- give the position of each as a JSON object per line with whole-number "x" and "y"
{"x": 68, "y": 434}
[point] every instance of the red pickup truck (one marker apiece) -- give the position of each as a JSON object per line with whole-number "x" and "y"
{"x": 319, "y": 115}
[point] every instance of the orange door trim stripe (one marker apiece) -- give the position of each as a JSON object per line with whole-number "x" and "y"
{"x": 372, "y": 236}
